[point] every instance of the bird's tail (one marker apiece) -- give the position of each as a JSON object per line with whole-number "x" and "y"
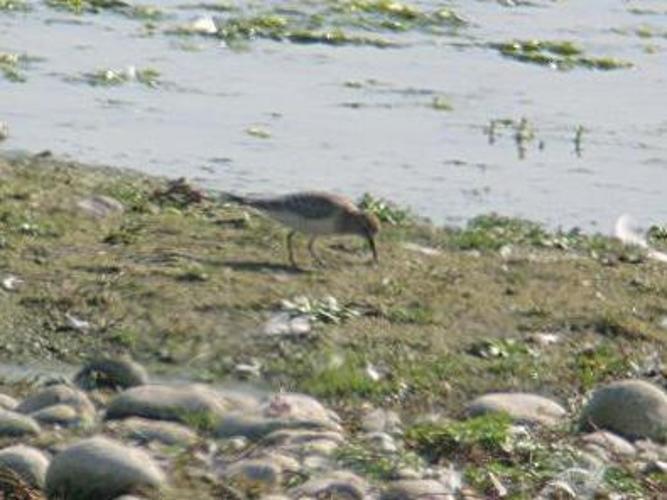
{"x": 627, "y": 231}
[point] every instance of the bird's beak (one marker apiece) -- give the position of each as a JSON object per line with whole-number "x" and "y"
{"x": 371, "y": 243}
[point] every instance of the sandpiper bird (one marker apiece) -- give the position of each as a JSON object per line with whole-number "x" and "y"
{"x": 315, "y": 214}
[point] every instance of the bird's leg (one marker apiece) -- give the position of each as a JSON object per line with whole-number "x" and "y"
{"x": 289, "y": 248}
{"x": 311, "y": 249}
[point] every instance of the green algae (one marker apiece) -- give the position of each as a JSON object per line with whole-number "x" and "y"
{"x": 265, "y": 26}
{"x": 441, "y": 103}
{"x": 236, "y": 30}
{"x": 393, "y": 15}
{"x": 139, "y": 12}
{"x": 11, "y": 65}
{"x": 148, "y": 13}
{"x": 14, "y": 6}
{"x": 148, "y": 77}
{"x": 258, "y": 132}
{"x": 563, "y": 55}
{"x": 337, "y": 37}
{"x": 354, "y": 22}
{"x": 220, "y": 6}
{"x": 82, "y": 6}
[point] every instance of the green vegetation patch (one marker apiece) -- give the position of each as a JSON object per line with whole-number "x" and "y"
{"x": 491, "y": 232}
{"x": 601, "y": 363}
{"x": 494, "y": 232}
{"x": 325, "y": 310}
{"x": 563, "y": 55}
{"x": 344, "y": 376}
{"x": 365, "y": 460}
{"x": 384, "y": 210}
{"x": 486, "y": 434}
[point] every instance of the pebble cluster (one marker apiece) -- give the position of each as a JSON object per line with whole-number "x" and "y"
{"x": 110, "y": 434}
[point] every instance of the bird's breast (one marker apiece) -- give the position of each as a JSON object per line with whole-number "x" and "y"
{"x": 314, "y": 226}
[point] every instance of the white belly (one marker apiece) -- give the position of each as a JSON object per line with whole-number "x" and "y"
{"x": 309, "y": 226}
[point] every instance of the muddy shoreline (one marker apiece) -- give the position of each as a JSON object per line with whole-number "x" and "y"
{"x": 104, "y": 263}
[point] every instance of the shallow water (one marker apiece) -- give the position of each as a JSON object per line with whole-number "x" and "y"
{"x": 380, "y": 134}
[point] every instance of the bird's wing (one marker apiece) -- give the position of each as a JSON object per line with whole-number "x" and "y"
{"x": 310, "y": 205}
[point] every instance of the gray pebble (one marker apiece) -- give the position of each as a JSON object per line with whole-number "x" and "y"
{"x": 14, "y": 424}
{"x": 100, "y": 206}
{"x": 146, "y": 430}
{"x": 28, "y": 463}
{"x": 254, "y": 475}
{"x": 8, "y": 402}
{"x": 114, "y": 373}
{"x": 341, "y": 485}
{"x": 424, "y": 489}
{"x": 380, "y": 420}
{"x": 61, "y": 414}
{"x": 102, "y": 469}
{"x": 57, "y": 394}
{"x": 632, "y": 408}
{"x": 191, "y": 404}
{"x": 521, "y": 407}
{"x": 608, "y": 442}
{"x": 256, "y": 427}
{"x": 301, "y": 408}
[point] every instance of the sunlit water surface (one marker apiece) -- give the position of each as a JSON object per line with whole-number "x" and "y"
{"x": 380, "y": 134}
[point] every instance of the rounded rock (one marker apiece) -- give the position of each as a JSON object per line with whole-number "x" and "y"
{"x": 302, "y": 441}
{"x": 187, "y": 403}
{"x": 301, "y": 436}
{"x": 103, "y": 469}
{"x": 8, "y": 402}
{"x": 521, "y": 407}
{"x": 381, "y": 442}
{"x": 146, "y": 430}
{"x": 408, "y": 489}
{"x": 114, "y": 373}
{"x": 608, "y": 442}
{"x": 316, "y": 462}
{"x": 14, "y": 424}
{"x": 557, "y": 490}
{"x": 341, "y": 485}
{"x": 254, "y": 475}
{"x": 100, "y": 206}
{"x": 55, "y": 395}
{"x": 61, "y": 414}
{"x": 322, "y": 447}
{"x": 380, "y": 420}
{"x": 300, "y": 407}
{"x": 29, "y": 464}
{"x": 256, "y": 427}
{"x": 631, "y": 408}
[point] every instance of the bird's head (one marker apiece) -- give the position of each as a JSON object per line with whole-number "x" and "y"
{"x": 367, "y": 226}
